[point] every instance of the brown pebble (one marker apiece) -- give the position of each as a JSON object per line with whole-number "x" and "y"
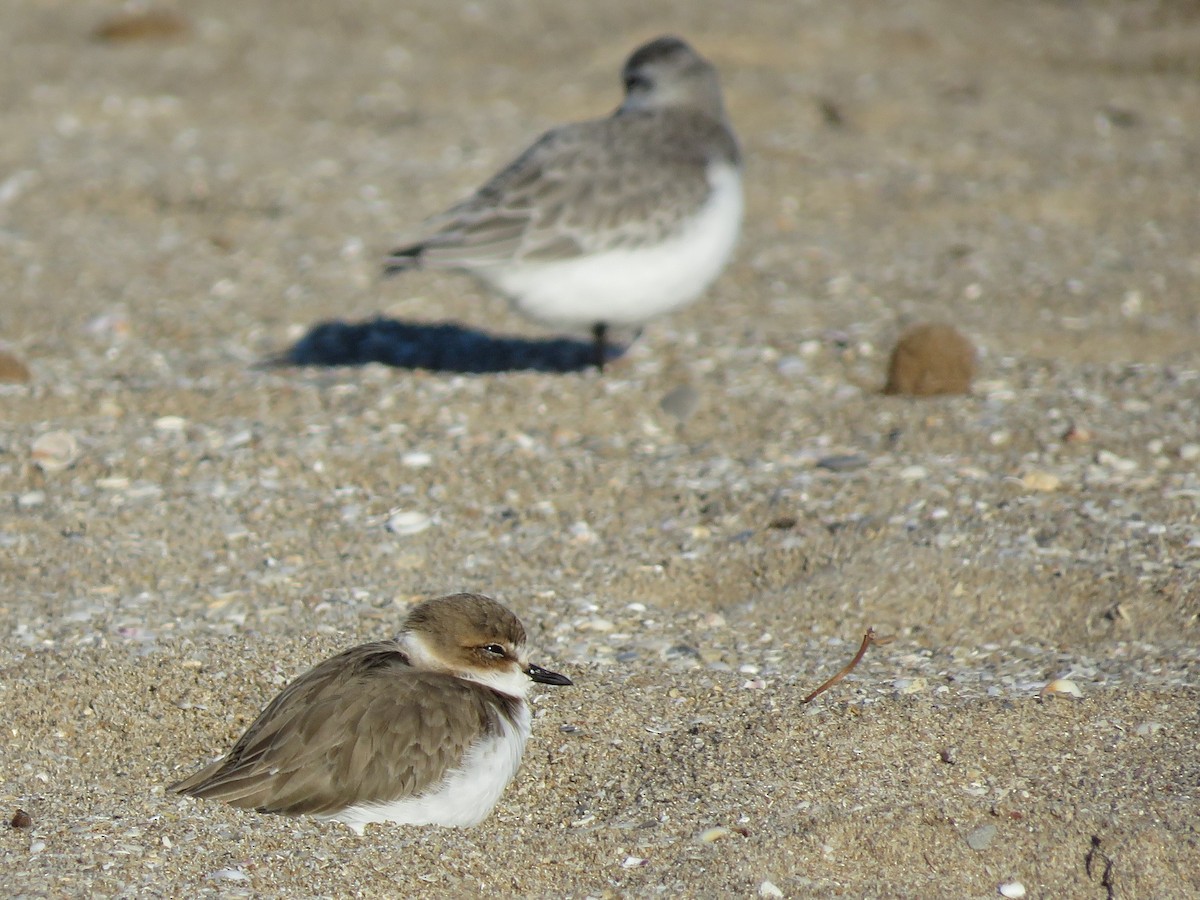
{"x": 931, "y": 359}
{"x": 20, "y": 819}
{"x": 12, "y": 370}
{"x": 150, "y": 25}
{"x": 1077, "y": 434}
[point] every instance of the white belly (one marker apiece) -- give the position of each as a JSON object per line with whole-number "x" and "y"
{"x": 465, "y": 796}
{"x": 627, "y": 287}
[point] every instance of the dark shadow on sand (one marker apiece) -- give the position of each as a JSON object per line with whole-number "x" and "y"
{"x": 433, "y": 346}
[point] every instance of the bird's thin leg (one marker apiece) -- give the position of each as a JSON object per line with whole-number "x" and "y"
{"x": 599, "y": 344}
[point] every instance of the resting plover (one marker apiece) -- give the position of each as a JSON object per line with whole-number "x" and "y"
{"x": 425, "y": 729}
{"x": 611, "y": 221}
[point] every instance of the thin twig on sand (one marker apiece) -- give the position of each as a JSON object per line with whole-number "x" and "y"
{"x": 868, "y": 639}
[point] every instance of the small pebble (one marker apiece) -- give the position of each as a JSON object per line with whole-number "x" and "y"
{"x": 1117, "y": 463}
{"x": 709, "y": 835}
{"x": 680, "y": 402}
{"x": 931, "y": 359}
{"x": 1148, "y": 728}
{"x": 1013, "y": 889}
{"x": 632, "y": 862}
{"x": 582, "y": 533}
{"x": 1189, "y": 452}
{"x": 416, "y": 459}
{"x": 1041, "y": 481}
{"x": 1077, "y": 434}
{"x": 769, "y": 889}
{"x": 20, "y": 819}
{"x": 842, "y": 462}
{"x": 982, "y": 837}
{"x": 914, "y": 473}
{"x": 408, "y": 522}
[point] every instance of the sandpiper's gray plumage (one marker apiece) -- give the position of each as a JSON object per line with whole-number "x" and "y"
{"x": 611, "y": 221}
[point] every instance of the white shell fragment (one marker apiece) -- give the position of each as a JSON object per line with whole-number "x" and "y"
{"x": 170, "y": 424}
{"x": 709, "y": 835}
{"x": 54, "y": 451}
{"x": 406, "y": 522}
{"x": 769, "y": 889}
{"x": 1061, "y": 686}
{"x": 229, "y": 874}
{"x": 1013, "y": 889}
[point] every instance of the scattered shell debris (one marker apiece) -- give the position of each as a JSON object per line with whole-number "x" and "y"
{"x": 1063, "y": 687}
{"x": 54, "y": 451}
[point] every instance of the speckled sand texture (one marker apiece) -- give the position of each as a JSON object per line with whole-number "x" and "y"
{"x": 698, "y": 537}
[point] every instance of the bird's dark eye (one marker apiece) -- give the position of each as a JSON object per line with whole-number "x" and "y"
{"x": 493, "y": 650}
{"x": 636, "y": 82}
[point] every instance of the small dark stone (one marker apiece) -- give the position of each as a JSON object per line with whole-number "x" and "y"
{"x": 842, "y": 462}
{"x": 20, "y": 819}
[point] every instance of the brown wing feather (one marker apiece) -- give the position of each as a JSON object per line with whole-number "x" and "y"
{"x": 360, "y": 727}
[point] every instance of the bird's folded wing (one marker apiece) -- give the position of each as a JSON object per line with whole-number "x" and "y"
{"x": 339, "y": 736}
{"x": 580, "y": 189}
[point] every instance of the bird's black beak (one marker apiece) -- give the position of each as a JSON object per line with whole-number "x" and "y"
{"x": 545, "y": 676}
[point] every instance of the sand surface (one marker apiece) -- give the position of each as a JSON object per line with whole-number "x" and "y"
{"x": 698, "y": 537}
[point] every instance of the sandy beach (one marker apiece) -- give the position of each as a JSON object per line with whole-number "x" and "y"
{"x": 698, "y": 537}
